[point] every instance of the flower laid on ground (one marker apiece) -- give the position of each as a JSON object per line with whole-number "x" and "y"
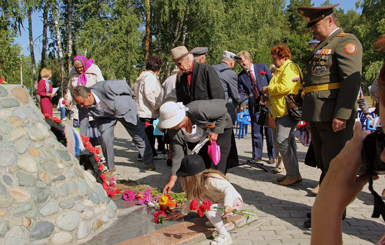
{"x": 160, "y": 217}
{"x": 140, "y": 197}
{"x": 296, "y": 79}
{"x": 113, "y": 181}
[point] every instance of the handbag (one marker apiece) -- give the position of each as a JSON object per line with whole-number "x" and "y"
{"x": 264, "y": 119}
{"x": 214, "y": 152}
{"x": 294, "y": 101}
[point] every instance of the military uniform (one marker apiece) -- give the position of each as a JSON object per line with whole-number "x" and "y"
{"x": 331, "y": 83}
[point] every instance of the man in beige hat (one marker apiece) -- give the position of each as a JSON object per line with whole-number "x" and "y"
{"x": 331, "y": 83}
{"x": 228, "y": 77}
{"x": 199, "y": 81}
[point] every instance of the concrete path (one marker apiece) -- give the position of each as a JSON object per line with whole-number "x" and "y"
{"x": 281, "y": 209}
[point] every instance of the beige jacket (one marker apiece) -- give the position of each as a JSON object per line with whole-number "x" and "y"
{"x": 93, "y": 74}
{"x": 217, "y": 190}
{"x": 147, "y": 97}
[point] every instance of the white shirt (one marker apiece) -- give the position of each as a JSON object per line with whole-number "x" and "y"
{"x": 100, "y": 105}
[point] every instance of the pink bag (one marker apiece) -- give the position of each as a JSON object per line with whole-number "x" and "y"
{"x": 214, "y": 152}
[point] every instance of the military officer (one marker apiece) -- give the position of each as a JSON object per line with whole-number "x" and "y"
{"x": 331, "y": 84}
{"x": 200, "y": 54}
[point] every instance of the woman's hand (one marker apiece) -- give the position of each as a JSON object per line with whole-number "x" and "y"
{"x": 228, "y": 209}
{"x": 50, "y": 95}
{"x": 177, "y": 216}
{"x": 170, "y": 185}
{"x": 265, "y": 90}
{"x": 213, "y": 136}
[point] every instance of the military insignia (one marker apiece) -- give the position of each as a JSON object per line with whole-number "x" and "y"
{"x": 307, "y": 19}
{"x": 301, "y": 11}
{"x": 350, "y": 48}
{"x": 342, "y": 34}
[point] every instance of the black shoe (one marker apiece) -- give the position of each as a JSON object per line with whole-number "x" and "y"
{"x": 307, "y": 223}
{"x": 169, "y": 162}
{"x": 308, "y": 215}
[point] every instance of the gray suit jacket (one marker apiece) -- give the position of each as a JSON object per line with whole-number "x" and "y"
{"x": 117, "y": 95}
{"x": 229, "y": 80}
{"x": 203, "y": 113}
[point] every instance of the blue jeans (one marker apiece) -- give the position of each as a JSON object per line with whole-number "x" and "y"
{"x": 63, "y": 112}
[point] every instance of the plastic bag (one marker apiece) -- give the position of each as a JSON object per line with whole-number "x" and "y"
{"x": 214, "y": 152}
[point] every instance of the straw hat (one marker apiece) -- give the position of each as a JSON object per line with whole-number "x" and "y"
{"x": 190, "y": 165}
{"x": 171, "y": 114}
{"x": 179, "y": 52}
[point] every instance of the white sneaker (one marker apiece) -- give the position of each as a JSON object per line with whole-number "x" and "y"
{"x": 222, "y": 240}
{"x": 64, "y": 119}
{"x": 208, "y": 224}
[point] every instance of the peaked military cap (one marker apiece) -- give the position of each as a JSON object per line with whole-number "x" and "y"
{"x": 199, "y": 51}
{"x": 313, "y": 15}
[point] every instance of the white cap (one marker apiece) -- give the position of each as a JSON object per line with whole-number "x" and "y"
{"x": 227, "y": 55}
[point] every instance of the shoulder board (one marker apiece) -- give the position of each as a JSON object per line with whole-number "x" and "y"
{"x": 342, "y": 34}
{"x": 225, "y": 69}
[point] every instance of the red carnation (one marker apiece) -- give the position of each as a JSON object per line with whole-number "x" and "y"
{"x": 46, "y": 116}
{"x": 206, "y": 205}
{"x": 194, "y": 205}
{"x": 169, "y": 197}
{"x": 201, "y": 211}
{"x": 97, "y": 150}
{"x": 262, "y": 73}
{"x": 96, "y": 158}
{"x": 63, "y": 102}
{"x": 101, "y": 167}
{"x": 103, "y": 177}
{"x": 105, "y": 186}
{"x": 146, "y": 124}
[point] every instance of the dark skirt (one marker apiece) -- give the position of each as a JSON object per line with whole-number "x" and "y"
{"x": 92, "y": 132}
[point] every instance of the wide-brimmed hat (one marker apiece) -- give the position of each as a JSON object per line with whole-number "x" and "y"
{"x": 190, "y": 165}
{"x": 171, "y": 114}
{"x": 179, "y": 52}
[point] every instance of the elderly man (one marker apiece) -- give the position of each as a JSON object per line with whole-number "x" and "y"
{"x": 245, "y": 86}
{"x": 229, "y": 78}
{"x": 108, "y": 102}
{"x": 200, "y": 54}
{"x": 199, "y": 81}
{"x": 331, "y": 84}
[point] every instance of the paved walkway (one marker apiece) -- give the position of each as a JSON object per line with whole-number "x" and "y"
{"x": 281, "y": 209}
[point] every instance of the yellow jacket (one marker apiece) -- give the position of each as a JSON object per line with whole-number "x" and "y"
{"x": 280, "y": 85}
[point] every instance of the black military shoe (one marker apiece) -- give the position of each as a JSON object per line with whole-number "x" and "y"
{"x": 307, "y": 223}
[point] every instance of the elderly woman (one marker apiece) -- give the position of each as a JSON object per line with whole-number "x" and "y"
{"x": 147, "y": 98}
{"x": 280, "y": 85}
{"x": 44, "y": 89}
{"x": 193, "y": 123}
{"x": 84, "y": 73}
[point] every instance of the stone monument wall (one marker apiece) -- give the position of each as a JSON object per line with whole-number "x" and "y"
{"x": 46, "y": 197}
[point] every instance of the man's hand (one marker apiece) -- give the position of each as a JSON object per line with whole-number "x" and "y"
{"x": 213, "y": 136}
{"x": 228, "y": 209}
{"x": 338, "y": 124}
{"x": 170, "y": 185}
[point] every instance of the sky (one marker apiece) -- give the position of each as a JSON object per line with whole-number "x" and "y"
{"x": 37, "y": 27}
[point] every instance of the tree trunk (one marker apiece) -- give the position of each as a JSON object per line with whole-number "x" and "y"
{"x": 69, "y": 30}
{"x": 58, "y": 39}
{"x": 148, "y": 14}
{"x": 31, "y": 48}
{"x": 45, "y": 40}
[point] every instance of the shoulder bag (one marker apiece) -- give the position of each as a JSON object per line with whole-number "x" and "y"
{"x": 294, "y": 101}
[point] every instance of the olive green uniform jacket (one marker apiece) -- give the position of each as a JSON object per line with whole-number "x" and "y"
{"x": 336, "y": 59}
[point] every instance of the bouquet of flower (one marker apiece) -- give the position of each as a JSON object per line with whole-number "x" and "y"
{"x": 167, "y": 204}
{"x": 140, "y": 197}
{"x": 160, "y": 217}
{"x": 201, "y": 209}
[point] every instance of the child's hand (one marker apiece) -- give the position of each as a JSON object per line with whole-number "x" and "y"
{"x": 177, "y": 216}
{"x": 228, "y": 209}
